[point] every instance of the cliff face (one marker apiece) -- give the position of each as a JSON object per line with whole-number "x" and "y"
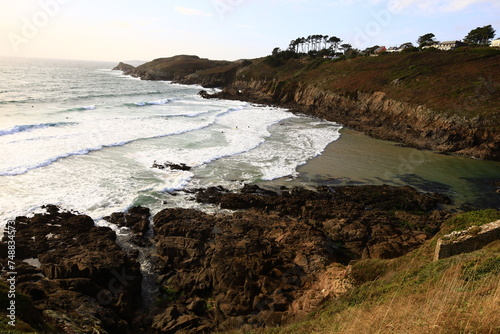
{"x": 379, "y": 116}
{"x": 442, "y": 101}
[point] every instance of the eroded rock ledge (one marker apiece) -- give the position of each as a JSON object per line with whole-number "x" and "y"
{"x": 276, "y": 258}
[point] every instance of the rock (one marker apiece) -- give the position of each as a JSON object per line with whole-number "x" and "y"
{"x": 125, "y": 68}
{"x": 137, "y": 219}
{"x": 277, "y": 259}
{"x": 172, "y": 166}
{"x": 466, "y": 241}
{"x": 82, "y": 268}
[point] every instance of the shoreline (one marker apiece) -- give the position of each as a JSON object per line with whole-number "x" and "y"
{"x": 358, "y": 159}
{"x": 260, "y": 266}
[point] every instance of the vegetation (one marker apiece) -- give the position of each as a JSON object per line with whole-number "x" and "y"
{"x": 325, "y": 45}
{"x": 462, "y": 82}
{"x": 414, "y": 294}
{"x": 480, "y": 36}
{"x": 426, "y": 40}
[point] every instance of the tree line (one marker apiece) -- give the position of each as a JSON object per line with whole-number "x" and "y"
{"x": 325, "y": 45}
{"x": 317, "y": 43}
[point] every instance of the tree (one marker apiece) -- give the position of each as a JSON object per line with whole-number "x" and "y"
{"x": 480, "y": 35}
{"x": 346, "y": 47}
{"x": 335, "y": 41}
{"x": 427, "y": 39}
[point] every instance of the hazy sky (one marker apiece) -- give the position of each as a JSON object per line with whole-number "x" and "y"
{"x": 224, "y": 29}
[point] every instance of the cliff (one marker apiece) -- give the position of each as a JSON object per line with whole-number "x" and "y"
{"x": 443, "y": 101}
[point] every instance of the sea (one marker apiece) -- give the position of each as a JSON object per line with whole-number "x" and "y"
{"x": 86, "y": 138}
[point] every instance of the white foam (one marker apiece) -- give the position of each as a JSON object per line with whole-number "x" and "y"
{"x": 235, "y": 131}
{"x": 291, "y": 146}
{"x": 159, "y": 102}
{"x": 35, "y": 149}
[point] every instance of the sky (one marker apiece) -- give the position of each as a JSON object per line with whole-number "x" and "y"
{"x": 115, "y": 30}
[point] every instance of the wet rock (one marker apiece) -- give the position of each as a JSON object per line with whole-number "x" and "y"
{"x": 257, "y": 267}
{"x": 137, "y": 219}
{"x": 172, "y": 166}
{"x": 81, "y": 268}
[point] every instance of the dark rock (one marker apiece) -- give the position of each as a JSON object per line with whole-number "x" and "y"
{"x": 84, "y": 271}
{"x": 172, "y": 166}
{"x": 253, "y": 264}
{"x": 137, "y": 218}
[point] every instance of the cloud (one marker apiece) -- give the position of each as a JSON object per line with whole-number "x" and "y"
{"x": 190, "y": 11}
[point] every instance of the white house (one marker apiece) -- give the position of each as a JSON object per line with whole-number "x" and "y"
{"x": 393, "y": 49}
{"x": 450, "y": 45}
{"x": 495, "y": 43}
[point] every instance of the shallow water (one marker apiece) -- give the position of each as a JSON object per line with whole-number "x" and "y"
{"x": 358, "y": 159}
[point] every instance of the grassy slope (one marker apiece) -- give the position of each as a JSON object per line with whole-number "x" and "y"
{"x": 413, "y": 294}
{"x": 464, "y": 82}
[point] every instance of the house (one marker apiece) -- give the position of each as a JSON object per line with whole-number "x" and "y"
{"x": 495, "y": 43}
{"x": 380, "y": 49}
{"x": 450, "y": 45}
{"x": 400, "y": 48}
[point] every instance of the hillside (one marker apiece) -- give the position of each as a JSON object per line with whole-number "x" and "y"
{"x": 171, "y": 68}
{"x": 437, "y": 100}
{"x": 443, "y": 101}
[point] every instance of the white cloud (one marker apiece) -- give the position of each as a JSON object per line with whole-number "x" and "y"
{"x": 190, "y": 11}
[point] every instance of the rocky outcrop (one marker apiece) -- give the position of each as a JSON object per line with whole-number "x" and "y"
{"x": 82, "y": 281}
{"x": 175, "y": 68}
{"x": 137, "y": 219}
{"x": 466, "y": 241}
{"x": 276, "y": 259}
{"x": 281, "y": 256}
{"x": 125, "y": 68}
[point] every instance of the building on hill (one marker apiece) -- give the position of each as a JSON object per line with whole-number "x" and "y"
{"x": 380, "y": 50}
{"x": 450, "y": 45}
{"x": 495, "y": 43}
{"x": 393, "y": 49}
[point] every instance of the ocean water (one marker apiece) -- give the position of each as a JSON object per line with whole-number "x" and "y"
{"x": 79, "y": 135}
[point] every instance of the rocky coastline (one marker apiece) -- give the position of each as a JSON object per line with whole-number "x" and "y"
{"x": 383, "y": 108}
{"x": 273, "y": 259}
